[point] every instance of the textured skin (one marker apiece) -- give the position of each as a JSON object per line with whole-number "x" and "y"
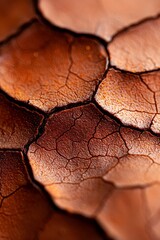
{"x": 138, "y": 48}
{"x": 17, "y": 124}
{"x": 67, "y": 165}
{"x": 103, "y": 18}
{"x": 80, "y": 120}
{"x": 76, "y": 162}
{"x": 138, "y": 104}
{"x": 23, "y": 209}
{"x": 53, "y": 71}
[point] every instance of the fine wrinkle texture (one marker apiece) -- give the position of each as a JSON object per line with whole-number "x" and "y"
{"x": 138, "y": 48}
{"x": 48, "y": 68}
{"x": 14, "y": 13}
{"x": 100, "y": 17}
{"x": 26, "y": 214}
{"x": 66, "y": 162}
{"x": 85, "y": 161}
{"x": 23, "y": 210}
{"x": 134, "y": 99}
{"x": 17, "y": 124}
{"x": 83, "y": 157}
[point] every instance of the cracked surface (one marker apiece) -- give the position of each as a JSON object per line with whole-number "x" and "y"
{"x": 84, "y": 162}
{"x": 79, "y": 143}
{"x": 23, "y": 209}
{"x": 25, "y": 212}
{"x": 135, "y": 99}
{"x": 138, "y": 48}
{"x": 103, "y": 18}
{"x": 17, "y": 124}
{"x": 13, "y": 13}
{"x": 56, "y": 68}
{"x": 69, "y": 165}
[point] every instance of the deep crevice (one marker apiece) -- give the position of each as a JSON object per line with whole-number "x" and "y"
{"x": 125, "y": 29}
{"x": 55, "y": 207}
{"x": 69, "y": 106}
{"x": 19, "y": 30}
{"x": 100, "y": 39}
{"x": 117, "y": 120}
{"x": 22, "y": 104}
{"x": 134, "y": 73}
{"x": 60, "y": 29}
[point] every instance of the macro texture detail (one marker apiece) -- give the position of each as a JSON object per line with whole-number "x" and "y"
{"x": 79, "y": 120}
{"x": 138, "y": 104}
{"x": 56, "y": 69}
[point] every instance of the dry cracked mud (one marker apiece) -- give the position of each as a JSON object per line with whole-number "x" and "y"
{"x": 79, "y": 120}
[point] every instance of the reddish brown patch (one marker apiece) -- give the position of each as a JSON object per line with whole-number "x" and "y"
{"x": 17, "y": 124}
{"x": 49, "y": 69}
